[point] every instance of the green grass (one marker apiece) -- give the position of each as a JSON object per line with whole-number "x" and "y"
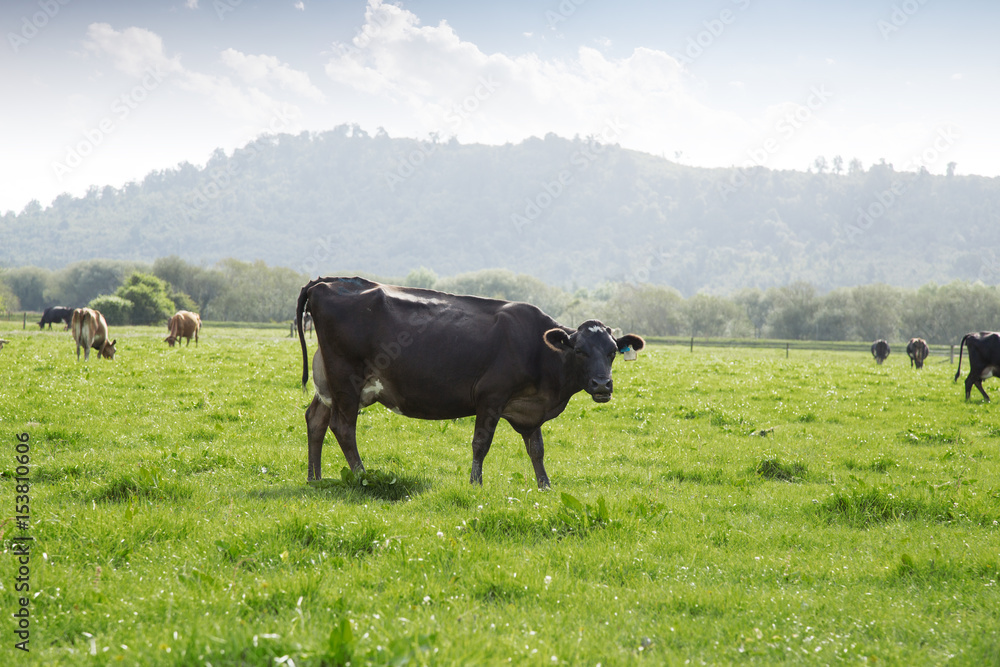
{"x": 728, "y": 506}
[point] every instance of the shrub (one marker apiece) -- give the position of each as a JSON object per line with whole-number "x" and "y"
{"x": 148, "y": 294}
{"x": 116, "y": 310}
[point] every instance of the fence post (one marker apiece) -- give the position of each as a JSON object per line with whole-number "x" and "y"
{"x": 951, "y": 355}
{"x": 24, "y": 324}
{"x": 692, "y": 343}
{"x": 787, "y": 345}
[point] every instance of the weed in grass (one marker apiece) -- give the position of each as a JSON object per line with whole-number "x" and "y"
{"x": 772, "y": 468}
{"x": 867, "y": 505}
{"x": 575, "y": 517}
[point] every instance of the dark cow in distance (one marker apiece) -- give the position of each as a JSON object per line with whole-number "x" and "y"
{"x": 984, "y": 360}
{"x": 183, "y": 324}
{"x": 90, "y": 330}
{"x": 431, "y": 355}
{"x": 917, "y": 350}
{"x": 56, "y": 314}
{"x": 880, "y": 350}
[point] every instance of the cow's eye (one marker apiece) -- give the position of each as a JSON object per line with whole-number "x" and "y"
{"x": 580, "y": 352}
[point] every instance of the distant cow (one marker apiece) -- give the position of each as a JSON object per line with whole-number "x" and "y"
{"x": 880, "y": 350}
{"x": 90, "y": 330}
{"x": 2, "y": 342}
{"x": 917, "y": 350}
{"x": 432, "y": 355}
{"x": 984, "y": 360}
{"x": 307, "y": 323}
{"x": 184, "y": 324}
{"x": 56, "y": 314}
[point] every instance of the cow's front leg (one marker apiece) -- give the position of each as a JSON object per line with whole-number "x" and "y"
{"x": 536, "y": 452}
{"x": 482, "y": 438}
{"x": 317, "y": 421}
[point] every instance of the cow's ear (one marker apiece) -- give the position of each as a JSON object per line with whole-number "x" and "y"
{"x": 632, "y": 341}
{"x": 558, "y": 340}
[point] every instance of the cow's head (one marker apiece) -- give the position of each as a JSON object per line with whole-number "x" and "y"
{"x": 171, "y": 339}
{"x": 590, "y": 350}
{"x": 108, "y": 349}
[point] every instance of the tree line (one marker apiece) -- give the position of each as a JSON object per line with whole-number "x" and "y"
{"x": 237, "y": 291}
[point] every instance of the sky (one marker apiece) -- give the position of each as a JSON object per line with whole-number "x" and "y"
{"x": 100, "y": 93}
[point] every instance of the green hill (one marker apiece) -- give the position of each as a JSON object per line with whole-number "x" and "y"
{"x": 570, "y": 212}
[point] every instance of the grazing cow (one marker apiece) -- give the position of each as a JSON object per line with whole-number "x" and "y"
{"x": 184, "y": 324}
{"x": 880, "y": 350}
{"x": 2, "y": 342}
{"x": 431, "y": 355}
{"x": 90, "y": 330}
{"x": 917, "y": 350}
{"x": 56, "y": 314}
{"x": 984, "y": 360}
{"x": 307, "y": 323}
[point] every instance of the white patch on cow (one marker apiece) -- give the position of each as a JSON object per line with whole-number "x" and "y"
{"x": 325, "y": 400}
{"x": 371, "y": 390}
{"x": 596, "y": 329}
{"x": 397, "y": 411}
{"x": 990, "y": 371}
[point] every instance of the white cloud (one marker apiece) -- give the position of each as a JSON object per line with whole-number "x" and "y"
{"x": 264, "y": 69}
{"x": 436, "y": 82}
{"x": 301, "y": 6}
{"x": 191, "y": 4}
{"x": 134, "y": 50}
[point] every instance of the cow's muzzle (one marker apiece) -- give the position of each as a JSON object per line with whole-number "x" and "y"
{"x": 600, "y": 390}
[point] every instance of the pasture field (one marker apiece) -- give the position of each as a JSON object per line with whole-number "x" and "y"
{"x": 727, "y": 506}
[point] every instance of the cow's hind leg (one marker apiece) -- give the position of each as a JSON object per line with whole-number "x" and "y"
{"x": 344, "y": 424}
{"x": 979, "y": 386}
{"x": 317, "y": 421}
{"x": 536, "y": 452}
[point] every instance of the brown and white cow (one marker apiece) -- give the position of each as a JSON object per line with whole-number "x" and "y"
{"x": 880, "y": 350}
{"x": 917, "y": 350}
{"x": 184, "y": 324}
{"x": 432, "y": 355}
{"x": 90, "y": 330}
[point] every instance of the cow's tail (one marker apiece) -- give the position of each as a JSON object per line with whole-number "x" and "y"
{"x": 300, "y": 308}
{"x": 960, "y": 346}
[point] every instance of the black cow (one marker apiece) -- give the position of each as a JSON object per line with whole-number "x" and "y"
{"x": 56, "y": 314}
{"x": 917, "y": 350}
{"x": 984, "y": 360}
{"x": 432, "y": 355}
{"x": 880, "y": 350}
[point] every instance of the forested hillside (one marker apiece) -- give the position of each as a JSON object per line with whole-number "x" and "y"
{"x": 569, "y": 212}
